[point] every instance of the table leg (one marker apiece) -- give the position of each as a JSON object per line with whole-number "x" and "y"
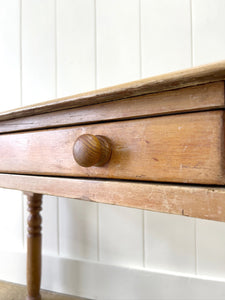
{"x": 34, "y": 246}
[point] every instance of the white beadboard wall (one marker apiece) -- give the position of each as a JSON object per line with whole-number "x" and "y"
{"x": 54, "y": 48}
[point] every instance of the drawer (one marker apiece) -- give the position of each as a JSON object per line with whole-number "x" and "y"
{"x": 186, "y": 148}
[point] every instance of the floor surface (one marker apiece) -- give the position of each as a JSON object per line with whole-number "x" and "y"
{"x": 10, "y": 291}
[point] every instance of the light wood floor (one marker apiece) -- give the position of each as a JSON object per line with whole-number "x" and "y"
{"x": 9, "y": 291}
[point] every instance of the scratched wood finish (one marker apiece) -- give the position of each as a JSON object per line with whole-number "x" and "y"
{"x": 187, "y": 200}
{"x": 34, "y": 246}
{"x": 175, "y": 80}
{"x": 196, "y": 98}
{"x": 186, "y": 148}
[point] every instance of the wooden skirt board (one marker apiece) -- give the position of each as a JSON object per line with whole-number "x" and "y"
{"x": 192, "y": 201}
{"x": 195, "y": 98}
{"x": 187, "y": 148}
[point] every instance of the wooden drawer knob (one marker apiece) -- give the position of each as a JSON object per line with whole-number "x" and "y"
{"x": 91, "y": 150}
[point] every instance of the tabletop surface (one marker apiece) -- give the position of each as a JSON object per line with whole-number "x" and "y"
{"x": 170, "y": 81}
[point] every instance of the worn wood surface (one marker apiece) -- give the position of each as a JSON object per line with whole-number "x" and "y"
{"x": 11, "y": 291}
{"x": 196, "y": 98}
{"x": 186, "y": 148}
{"x": 192, "y": 201}
{"x": 179, "y": 79}
{"x": 34, "y": 246}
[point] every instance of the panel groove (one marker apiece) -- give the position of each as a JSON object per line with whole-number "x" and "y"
{"x": 191, "y": 33}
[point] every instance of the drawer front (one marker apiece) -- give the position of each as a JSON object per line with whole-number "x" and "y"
{"x": 186, "y": 148}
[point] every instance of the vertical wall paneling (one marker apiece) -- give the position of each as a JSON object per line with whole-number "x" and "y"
{"x": 11, "y": 211}
{"x": 10, "y": 54}
{"x": 166, "y": 32}
{"x": 38, "y": 75}
{"x": 208, "y": 30}
{"x": 210, "y": 248}
{"x": 121, "y": 238}
{"x": 75, "y": 46}
{"x": 78, "y": 229}
{"x": 50, "y": 225}
{"x": 117, "y": 25}
{"x": 11, "y": 220}
{"x": 118, "y": 58}
{"x": 170, "y": 242}
{"x": 76, "y": 73}
{"x": 38, "y": 50}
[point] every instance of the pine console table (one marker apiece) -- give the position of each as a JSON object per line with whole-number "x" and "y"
{"x": 155, "y": 144}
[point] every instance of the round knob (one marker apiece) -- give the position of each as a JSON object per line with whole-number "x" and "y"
{"x": 91, "y": 150}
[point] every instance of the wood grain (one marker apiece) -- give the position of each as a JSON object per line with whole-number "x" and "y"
{"x": 196, "y": 98}
{"x": 193, "y": 201}
{"x": 34, "y": 246}
{"x": 175, "y": 80}
{"x": 11, "y": 291}
{"x": 91, "y": 150}
{"x": 186, "y": 148}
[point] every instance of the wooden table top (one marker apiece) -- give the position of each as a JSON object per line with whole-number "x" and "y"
{"x": 175, "y": 80}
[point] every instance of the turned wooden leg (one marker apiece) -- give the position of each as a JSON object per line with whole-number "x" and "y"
{"x": 34, "y": 246}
